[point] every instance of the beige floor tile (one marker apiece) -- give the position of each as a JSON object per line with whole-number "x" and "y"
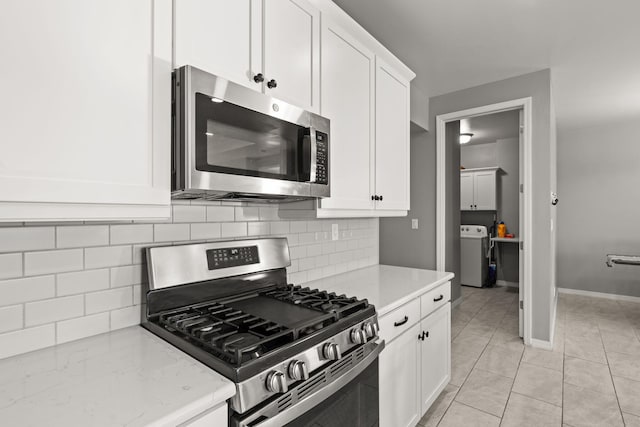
{"x": 628, "y": 392}
{"x": 584, "y": 348}
{"x": 460, "y": 368}
{"x": 479, "y": 328}
{"x": 587, "y": 408}
{"x": 485, "y": 391}
{"x": 544, "y": 358}
{"x": 462, "y": 415}
{"x": 539, "y": 383}
{"x": 631, "y": 420}
{"x": 507, "y": 339}
{"x": 624, "y": 365}
{"x": 439, "y": 407}
{"x": 500, "y": 360}
{"x": 589, "y": 375}
{"x": 468, "y": 344}
{"x": 523, "y": 411}
{"x": 618, "y": 343}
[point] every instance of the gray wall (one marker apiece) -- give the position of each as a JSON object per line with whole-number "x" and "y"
{"x": 599, "y": 209}
{"x": 505, "y": 154}
{"x": 536, "y": 85}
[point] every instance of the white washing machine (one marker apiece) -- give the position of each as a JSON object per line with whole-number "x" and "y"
{"x": 474, "y": 255}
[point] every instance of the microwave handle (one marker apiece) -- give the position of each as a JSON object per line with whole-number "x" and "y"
{"x": 313, "y": 163}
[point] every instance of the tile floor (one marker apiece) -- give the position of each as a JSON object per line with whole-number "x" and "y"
{"x": 590, "y": 378}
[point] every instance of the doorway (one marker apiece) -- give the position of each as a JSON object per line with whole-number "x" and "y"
{"x": 524, "y": 198}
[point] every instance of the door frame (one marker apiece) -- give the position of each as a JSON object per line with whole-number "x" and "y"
{"x": 526, "y": 229}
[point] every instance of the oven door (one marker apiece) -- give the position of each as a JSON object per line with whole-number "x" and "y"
{"x": 344, "y": 394}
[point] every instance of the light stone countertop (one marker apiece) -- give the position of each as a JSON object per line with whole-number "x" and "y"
{"x": 127, "y": 377}
{"x": 386, "y": 287}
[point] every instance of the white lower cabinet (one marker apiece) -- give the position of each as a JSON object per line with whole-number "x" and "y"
{"x": 415, "y": 365}
{"x": 399, "y": 381}
{"x": 215, "y": 417}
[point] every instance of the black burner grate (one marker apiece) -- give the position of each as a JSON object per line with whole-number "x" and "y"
{"x": 325, "y": 302}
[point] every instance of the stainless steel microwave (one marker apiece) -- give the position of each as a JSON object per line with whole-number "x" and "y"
{"x": 233, "y": 143}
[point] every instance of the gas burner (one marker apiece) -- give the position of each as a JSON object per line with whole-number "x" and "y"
{"x": 248, "y": 344}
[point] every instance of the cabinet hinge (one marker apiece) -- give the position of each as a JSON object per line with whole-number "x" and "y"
{"x": 521, "y": 305}
{"x": 522, "y": 188}
{"x": 522, "y": 245}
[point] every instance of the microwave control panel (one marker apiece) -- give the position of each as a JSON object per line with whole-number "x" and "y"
{"x": 322, "y": 158}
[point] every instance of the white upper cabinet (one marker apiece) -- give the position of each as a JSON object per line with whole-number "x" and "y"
{"x": 291, "y": 52}
{"x": 271, "y": 46}
{"x": 478, "y": 189}
{"x": 347, "y": 100}
{"x": 219, "y": 36}
{"x": 392, "y": 139}
{"x": 86, "y": 109}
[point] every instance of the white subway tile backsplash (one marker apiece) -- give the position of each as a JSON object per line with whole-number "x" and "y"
{"x": 126, "y": 276}
{"x": 124, "y": 317}
{"x": 188, "y": 213}
{"x": 17, "y": 239}
{"x": 82, "y": 236}
{"x": 247, "y": 213}
{"x": 11, "y": 318}
{"x": 82, "y": 281}
{"x": 234, "y": 229}
{"x": 99, "y": 273}
{"x": 108, "y": 256}
{"x": 108, "y": 300}
{"x": 17, "y": 291}
{"x": 170, "y": 232}
{"x": 52, "y": 310}
{"x": 82, "y": 327}
{"x": 134, "y": 233}
{"x": 10, "y": 266}
{"x": 209, "y": 230}
{"x": 258, "y": 228}
{"x": 53, "y": 261}
{"x": 25, "y": 340}
{"x": 220, "y": 213}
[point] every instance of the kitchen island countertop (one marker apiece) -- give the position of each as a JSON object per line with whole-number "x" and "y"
{"x": 386, "y": 287}
{"x": 128, "y": 377}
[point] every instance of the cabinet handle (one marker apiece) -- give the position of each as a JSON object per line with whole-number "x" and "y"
{"x": 380, "y": 198}
{"x": 258, "y": 78}
{"x": 376, "y": 197}
{"x": 438, "y": 299}
{"x": 373, "y": 197}
{"x": 402, "y": 322}
{"x": 272, "y": 84}
{"x": 423, "y": 335}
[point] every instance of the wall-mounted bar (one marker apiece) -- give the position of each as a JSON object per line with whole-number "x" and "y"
{"x": 623, "y": 259}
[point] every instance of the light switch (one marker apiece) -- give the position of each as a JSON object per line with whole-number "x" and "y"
{"x": 414, "y": 223}
{"x": 335, "y": 235}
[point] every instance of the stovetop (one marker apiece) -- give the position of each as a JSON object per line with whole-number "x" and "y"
{"x": 260, "y": 327}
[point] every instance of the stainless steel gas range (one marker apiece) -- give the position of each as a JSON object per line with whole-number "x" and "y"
{"x": 298, "y": 356}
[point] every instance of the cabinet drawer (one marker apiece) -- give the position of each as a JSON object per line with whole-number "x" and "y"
{"x": 435, "y": 299}
{"x": 399, "y": 320}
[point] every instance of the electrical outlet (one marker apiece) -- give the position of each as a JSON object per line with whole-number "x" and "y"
{"x": 414, "y": 223}
{"x": 335, "y": 234}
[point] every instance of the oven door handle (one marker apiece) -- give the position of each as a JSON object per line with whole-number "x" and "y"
{"x": 313, "y": 400}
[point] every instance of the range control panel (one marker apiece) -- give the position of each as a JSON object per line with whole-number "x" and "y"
{"x": 232, "y": 257}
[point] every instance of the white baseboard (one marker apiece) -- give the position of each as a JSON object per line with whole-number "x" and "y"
{"x": 456, "y": 302}
{"x": 507, "y": 283}
{"x": 598, "y": 295}
{"x": 545, "y": 345}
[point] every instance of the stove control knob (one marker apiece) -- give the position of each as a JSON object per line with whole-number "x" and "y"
{"x": 298, "y": 370}
{"x": 358, "y": 336}
{"x": 369, "y": 329}
{"x": 276, "y": 382}
{"x": 331, "y": 351}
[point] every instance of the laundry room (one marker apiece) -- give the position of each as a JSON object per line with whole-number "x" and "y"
{"x": 490, "y": 178}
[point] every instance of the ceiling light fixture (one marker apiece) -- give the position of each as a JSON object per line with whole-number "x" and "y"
{"x": 465, "y": 138}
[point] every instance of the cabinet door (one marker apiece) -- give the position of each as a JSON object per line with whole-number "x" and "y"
{"x": 347, "y": 100}
{"x": 221, "y": 37}
{"x": 435, "y": 358}
{"x": 466, "y": 191}
{"x": 392, "y": 139}
{"x": 399, "y": 366}
{"x": 86, "y": 110}
{"x": 292, "y": 51}
{"x": 485, "y": 191}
